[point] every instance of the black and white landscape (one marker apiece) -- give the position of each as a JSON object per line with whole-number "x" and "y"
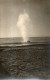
{"x": 25, "y": 39}
{"x": 18, "y": 60}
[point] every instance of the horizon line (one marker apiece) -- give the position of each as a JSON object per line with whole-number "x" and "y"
{"x": 28, "y": 37}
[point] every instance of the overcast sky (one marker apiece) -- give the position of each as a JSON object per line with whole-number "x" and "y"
{"x": 24, "y": 18}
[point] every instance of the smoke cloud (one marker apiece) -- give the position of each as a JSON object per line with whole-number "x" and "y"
{"x": 22, "y": 24}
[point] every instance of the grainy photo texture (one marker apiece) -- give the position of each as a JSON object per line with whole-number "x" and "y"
{"x": 25, "y": 39}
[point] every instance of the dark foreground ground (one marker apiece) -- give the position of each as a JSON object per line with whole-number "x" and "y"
{"x": 24, "y": 62}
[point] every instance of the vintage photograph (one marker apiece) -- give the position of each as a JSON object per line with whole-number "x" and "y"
{"x": 24, "y": 39}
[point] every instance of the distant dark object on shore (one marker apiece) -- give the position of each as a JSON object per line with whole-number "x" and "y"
{"x": 28, "y": 41}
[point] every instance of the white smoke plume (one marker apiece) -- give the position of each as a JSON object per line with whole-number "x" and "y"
{"x": 22, "y": 24}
